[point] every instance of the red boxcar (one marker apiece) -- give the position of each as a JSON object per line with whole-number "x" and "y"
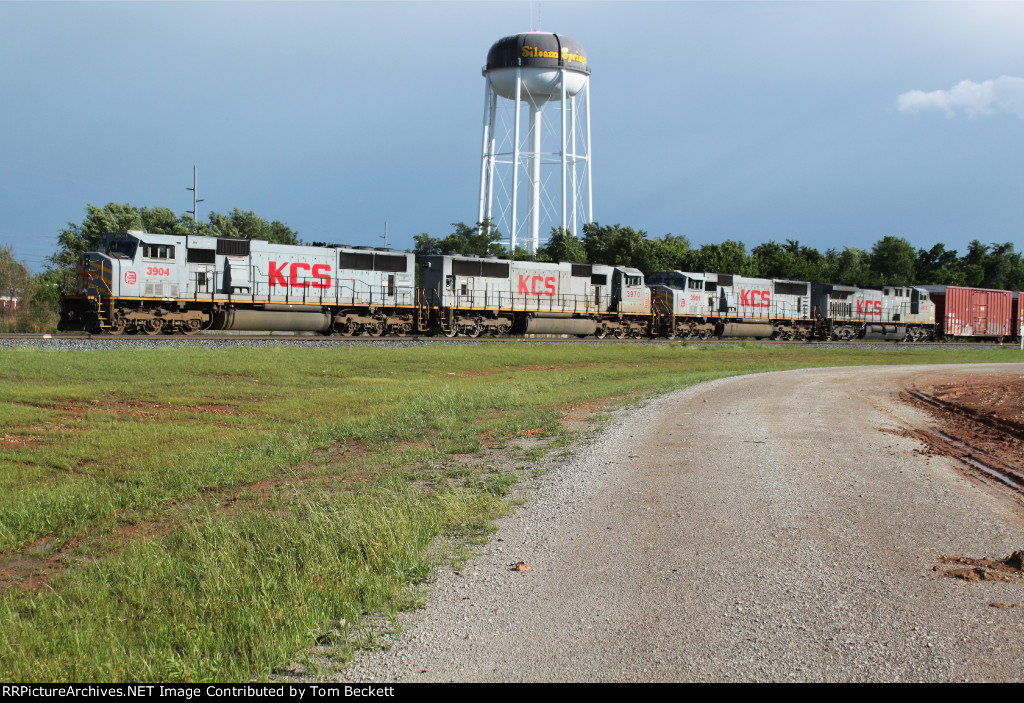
{"x": 973, "y": 312}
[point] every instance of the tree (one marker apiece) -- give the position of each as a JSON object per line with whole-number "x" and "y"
{"x": 938, "y": 266}
{"x": 30, "y": 302}
{"x": 973, "y": 263}
{"x": 772, "y": 260}
{"x": 670, "y": 253}
{"x": 562, "y": 246}
{"x": 849, "y": 267}
{"x": 246, "y": 224}
{"x": 1000, "y": 266}
{"x": 727, "y": 257}
{"x": 482, "y": 239}
{"x": 615, "y": 245}
{"x": 425, "y": 245}
{"x": 892, "y": 261}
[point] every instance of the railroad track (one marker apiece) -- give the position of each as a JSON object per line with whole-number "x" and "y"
{"x": 979, "y": 460}
{"x": 300, "y": 338}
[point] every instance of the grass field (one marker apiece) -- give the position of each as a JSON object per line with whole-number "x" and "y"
{"x": 193, "y": 514}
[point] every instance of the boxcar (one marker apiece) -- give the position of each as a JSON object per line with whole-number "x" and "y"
{"x": 972, "y": 313}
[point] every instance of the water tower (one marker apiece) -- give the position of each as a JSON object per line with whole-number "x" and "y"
{"x": 528, "y": 72}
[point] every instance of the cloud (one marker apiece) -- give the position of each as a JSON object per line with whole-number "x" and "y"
{"x": 1004, "y": 95}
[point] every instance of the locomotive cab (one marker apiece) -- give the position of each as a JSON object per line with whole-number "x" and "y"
{"x": 629, "y": 294}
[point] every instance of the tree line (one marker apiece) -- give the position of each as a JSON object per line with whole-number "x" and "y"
{"x": 891, "y": 261}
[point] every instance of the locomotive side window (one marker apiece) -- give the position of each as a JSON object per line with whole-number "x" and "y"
{"x": 695, "y": 284}
{"x": 158, "y": 251}
{"x": 599, "y": 279}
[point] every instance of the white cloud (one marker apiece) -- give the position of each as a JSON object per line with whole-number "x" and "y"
{"x": 1002, "y": 95}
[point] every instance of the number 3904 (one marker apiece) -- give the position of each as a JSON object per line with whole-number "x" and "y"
{"x": 157, "y": 271}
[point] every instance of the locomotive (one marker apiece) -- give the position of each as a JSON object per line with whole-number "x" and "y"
{"x": 156, "y": 283}
{"x": 153, "y": 283}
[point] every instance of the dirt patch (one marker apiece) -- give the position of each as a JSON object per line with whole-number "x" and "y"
{"x": 9, "y": 441}
{"x": 979, "y": 421}
{"x": 1010, "y": 568}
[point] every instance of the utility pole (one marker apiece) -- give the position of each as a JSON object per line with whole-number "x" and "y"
{"x": 195, "y": 203}
{"x": 385, "y": 237}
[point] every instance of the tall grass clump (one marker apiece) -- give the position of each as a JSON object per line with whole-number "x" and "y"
{"x": 225, "y": 598}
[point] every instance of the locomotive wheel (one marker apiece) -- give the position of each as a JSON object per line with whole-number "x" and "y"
{"x": 473, "y": 330}
{"x": 191, "y": 326}
{"x": 671, "y": 334}
{"x": 153, "y": 326}
{"x": 118, "y": 325}
{"x": 601, "y": 332}
{"x": 635, "y": 332}
{"x": 450, "y": 332}
{"x": 619, "y": 332}
{"x": 374, "y": 329}
{"x": 346, "y": 329}
{"x": 704, "y": 334}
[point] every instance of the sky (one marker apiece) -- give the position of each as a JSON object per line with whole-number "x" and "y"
{"x": 830, "y": 123}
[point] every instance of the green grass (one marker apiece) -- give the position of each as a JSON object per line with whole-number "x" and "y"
{"x": 193, "y": 514}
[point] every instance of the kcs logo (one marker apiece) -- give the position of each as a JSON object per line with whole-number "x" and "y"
{"x": 528, "y": 285}
{"x": 299, "y": 275}
{"x": 869, "y": 307}
{"x": 129, "y": 278}
{"x": 756, "y": 298}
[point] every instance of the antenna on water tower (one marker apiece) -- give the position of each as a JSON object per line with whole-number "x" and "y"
{"x": 529, "y": 71}
{"x": 195, "y": 203}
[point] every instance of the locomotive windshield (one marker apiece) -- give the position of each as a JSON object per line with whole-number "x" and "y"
{"x": 123, "y": 248}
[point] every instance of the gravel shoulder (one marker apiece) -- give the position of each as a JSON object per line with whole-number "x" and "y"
{"x": 769, "y": 527}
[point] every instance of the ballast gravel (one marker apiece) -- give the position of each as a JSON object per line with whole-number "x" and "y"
{"x": 761, "y": 528}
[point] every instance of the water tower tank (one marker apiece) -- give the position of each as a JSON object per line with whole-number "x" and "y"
{"x": 532, "y": 70}
{"x": 542, "y": 59}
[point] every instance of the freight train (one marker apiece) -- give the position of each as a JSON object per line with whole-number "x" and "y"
{"x": 156, "y": 283}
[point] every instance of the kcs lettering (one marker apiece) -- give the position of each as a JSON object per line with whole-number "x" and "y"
{"x": 756, "y": 298}
{"x": 299, "y": 275}
{"x": 529, "y": 285}
{"x": 869, "y": 307}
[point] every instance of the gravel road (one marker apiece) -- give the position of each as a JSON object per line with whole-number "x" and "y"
{"x": 756, "y": 528}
